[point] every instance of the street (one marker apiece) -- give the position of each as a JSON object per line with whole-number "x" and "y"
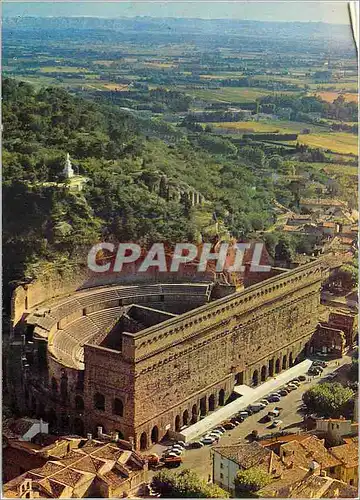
{"x": 199, "y": 459}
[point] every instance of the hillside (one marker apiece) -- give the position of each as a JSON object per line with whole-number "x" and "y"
{"x": 137, "y": 188}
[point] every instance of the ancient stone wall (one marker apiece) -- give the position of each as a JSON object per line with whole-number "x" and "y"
{"x": 190, "y": 364}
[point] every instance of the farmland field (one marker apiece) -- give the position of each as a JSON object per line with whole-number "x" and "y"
{"x": 331, "y": 96}
{"x": 336, "y": 168}
{"x": 63, "y": 69}
{"x": 231, "y": 94}
{"x": 273, "y": 126}
{"x": 339, "y": 142}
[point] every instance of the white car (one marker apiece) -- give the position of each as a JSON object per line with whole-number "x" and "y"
{"x": 208, "y": 440}
{"x": 216, "y": 432}
{"x": 276, "y": 423}
{"x": 264, "y": 401}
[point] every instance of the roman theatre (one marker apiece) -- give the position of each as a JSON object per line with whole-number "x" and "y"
{"x": 144, "y": 359}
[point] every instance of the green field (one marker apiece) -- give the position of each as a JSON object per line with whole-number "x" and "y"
{"x": 274, "y": 126}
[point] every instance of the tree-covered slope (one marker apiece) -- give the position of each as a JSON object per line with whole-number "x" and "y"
{"x": 135, "y": 180}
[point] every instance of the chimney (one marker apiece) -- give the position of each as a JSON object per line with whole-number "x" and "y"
{"x": 89, "y": 436}
{"x": 99, "y": 431}
{"x": 323, "y": 473}
{"x": 131, "y": 441}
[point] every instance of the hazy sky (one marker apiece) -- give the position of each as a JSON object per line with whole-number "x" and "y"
{"x": 329, "y": 12}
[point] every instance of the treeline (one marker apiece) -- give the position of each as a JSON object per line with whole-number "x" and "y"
{"x": 304, "y": 108}
{"x": 271, "y": 137}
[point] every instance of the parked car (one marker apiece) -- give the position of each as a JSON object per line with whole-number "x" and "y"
{"x": 196, "y": 444}
{"x": 207, "y": 440}
{"x": 235, "y": 421}
{"x": 320, "y": 362}
{"x": 228, "y": 425}
{"x": 275, "y": 412}
{"x": 274, "y": 399}
{"x": 291, "y": 386}
{"x": 243, "y": 414}
{"x": 257, "y": 407}
{"x": 177, "y": 447}
{"x": 181, "y": 443}
{"x": 283, "y": 392}
{"x": 302, "y": 378}
{"x": 216, "y": 433}
{"x": 276, "y": 424}
{"x": 264, "y": 402}
{"x": 172, "y": 453}
{"x": 276, "y": 393}
{"x": 295, "y": 381}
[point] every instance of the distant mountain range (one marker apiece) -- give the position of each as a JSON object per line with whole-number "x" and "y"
{"x": 187, "y": 26}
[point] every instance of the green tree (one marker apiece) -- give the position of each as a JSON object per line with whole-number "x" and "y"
{"x": 251, "y": 480}
{"x": 284, "y": 250}
{"x": 329, "y": 400}
{"x": 185, "y": 484}
{"x": 347, "y": 276}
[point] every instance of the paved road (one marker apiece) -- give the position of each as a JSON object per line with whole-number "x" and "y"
{"x": 200, "y": 459}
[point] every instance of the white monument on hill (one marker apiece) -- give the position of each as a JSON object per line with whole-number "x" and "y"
{"x": 68, "y": 171}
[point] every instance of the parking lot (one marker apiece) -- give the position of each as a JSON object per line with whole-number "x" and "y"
{"x": 199, "y": 459}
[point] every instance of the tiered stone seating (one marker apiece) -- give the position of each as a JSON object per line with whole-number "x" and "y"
{"x": 185, "y": 289}
{"x": 97, "y": 298}
{"x": 107, "y": 316}
{"x": 133, "y": 291}
{"x": 46, "y": 322}
{"x": 65, "y": 309}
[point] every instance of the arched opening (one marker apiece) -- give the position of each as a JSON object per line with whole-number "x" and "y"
{"x": 65, "y": 422}
{"x": 263, "y": 374}
{"x": 51, "y": 417}
{"x": 33, "y": 404}
{"x": 255, "y": 378}
{"x": 277, "y": 366}
{"x": 40, "y": 412}
{"x": 291, "y": 359}
{"x": 221, "y": 397}
{"x": 177, "y": 423}
{"x": 143, "y": 441}
{"x": 284, "y": 362}
{"x": 79, "y": 403}
{"x": 99, "y": 401}
{"x": 239, "y": 378}
{"x": 54, "y": 386}
{"x": 79, "y": 428}
{"x": 194, "y": 414}
{"x": 120, "y": 434}
{"x": 155, "y": 434}
{"x": 118, "y": 407}
{"x": 211, "y": 402}
{"x": 203, "y": 406}
{"x": 271, "y": 367}
{"x": 185, "y": 417}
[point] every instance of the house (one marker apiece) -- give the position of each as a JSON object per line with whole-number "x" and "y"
{"x": 228, "y": 460}
{"x": 94, "y": 469}
{"x": 322, "y": 205}
{"x": 22, "y": 456}
{"x": 298, "y": 219}
{"x": 312, "y": 485}
{"x": 24, "y": 429}
{"x": 329, "y": 228}
{"x": 348, "y": 457}
{"x": 335, "y": 429}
